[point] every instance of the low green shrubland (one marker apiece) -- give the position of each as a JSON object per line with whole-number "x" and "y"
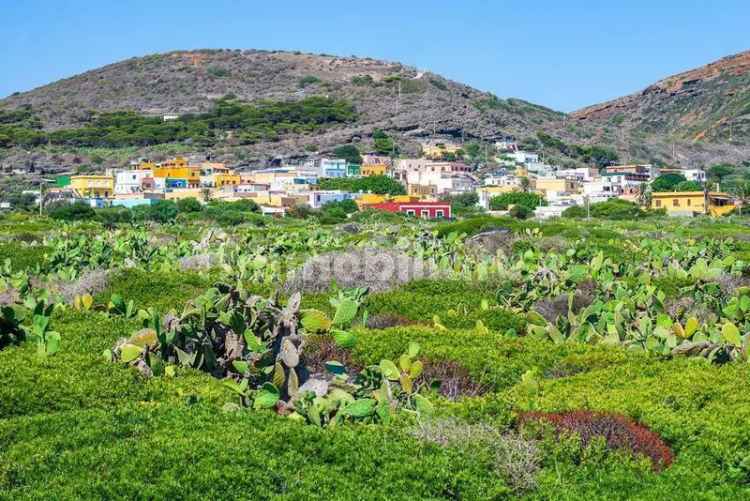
{"x": 616, "y": 329}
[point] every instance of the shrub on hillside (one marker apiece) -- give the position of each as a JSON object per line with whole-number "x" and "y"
{"x": 618, "y": 432}
{"x": 614, "y": 208}
{"x": 529, "y": 200}
{"x": 520, "y": 212}
{"x": 189, "y": 205}
{"x": 516, "y": 458}
{"x": 667, "y": 182}
{"x": 163, "y": 211}
{"x": 78, "y": 211}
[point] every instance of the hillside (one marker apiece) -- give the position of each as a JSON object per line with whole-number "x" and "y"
{"x": 701, "y": 115}
{"x": 401, "y": 100}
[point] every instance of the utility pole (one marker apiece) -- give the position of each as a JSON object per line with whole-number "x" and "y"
{"x": 42, "y": 182}
{"x": 588, "y": 208}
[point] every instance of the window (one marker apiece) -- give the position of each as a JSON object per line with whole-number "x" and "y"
{"x": 425, "y": 213}
{"x": 688, "y": 202}
{"x": 409, "y": 212}
{"x": 658, "y": 203}
{"x": 439, "y": 213}
{"x": 676, "y": 202}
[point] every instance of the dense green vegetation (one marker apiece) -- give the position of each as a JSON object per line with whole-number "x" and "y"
{"x": 528, "y": 200}
{"x": 600, "y": 156}
{"x": 383, "y": 185}
{"x": 259, "y": 121}
{"x": 567, "y": 361}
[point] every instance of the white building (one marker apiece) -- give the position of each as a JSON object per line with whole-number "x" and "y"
{"x": 130, "y": 181}
{"x": 318, "y": 198}
{"x": 583, "y": 174}
{"x": 698, "y": 175}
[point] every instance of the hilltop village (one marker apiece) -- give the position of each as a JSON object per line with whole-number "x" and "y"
{"x": 424, "y": 186}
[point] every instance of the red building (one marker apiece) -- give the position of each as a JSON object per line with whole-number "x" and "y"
{"x": 422, "y": 210}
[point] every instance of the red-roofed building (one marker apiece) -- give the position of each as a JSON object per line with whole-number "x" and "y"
{"x": 419, "y": 209}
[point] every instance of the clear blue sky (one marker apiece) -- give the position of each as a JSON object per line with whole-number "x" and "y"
{"x": 562, "y": 54}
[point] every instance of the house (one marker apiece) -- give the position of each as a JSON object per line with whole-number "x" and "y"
{"x": 644, "y": 172}
{"x": 353, "y": 170}
{"x": 454, "y": 184}
{"x": 366, "y": 199}
{"x": 418, "y": 209}
{"x": 318, "y": 198}
{"x": 554, "y": 186}
{"x": 688, "y": 203}
{"x": 422, "y": 190}
{"x": 251, "y": 188}
{"x": 372, "y": 158}
{"x": 437, "y": 149}
{"x": 130, "y": 181}
{"x": 506, "y": 145}
{"x": 426, "y": 172}
{"x": 191, "y": 175}
{"x": 697, "y": 175}
{"x": 584, "y": 174}
{"x": 374, "y": 170}
{"x": 333, "y": 167}
{"x": 226, "y": 179}
{"x": 92, "y": 186}
{"x": 523, "y": 157}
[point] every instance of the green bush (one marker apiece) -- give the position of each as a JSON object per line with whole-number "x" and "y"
{"x": 520, "y": 212}
{"x": 79, "y": 211}
{"x": 189, "y": 205}
{"x": 529, "y": 200}
{"x": 22, "y": 256}
{"x": 574, "y": 212}
{"x": 163, "y": 211}
{"x": 457, "y": 303}
{"x": 382, "y": 185}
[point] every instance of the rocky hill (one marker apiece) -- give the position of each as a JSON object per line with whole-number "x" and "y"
{"x": 699, "y": 116}
{"x": 401, "y": 100}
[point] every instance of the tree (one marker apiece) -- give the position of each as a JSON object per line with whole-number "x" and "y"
{"x": 689, "y": 186}
{"x": 384, "y": 144}
{"x": 667, "y": 182}
{"x": 189, "y": 205}
{"x": 382, "y": 185}
{"x": 520, "y": 212}
{"x": 525, "y": 183}
{"x": 529, "y": 200}
{"x": 348, "y": 152}
{"x": 78, "y": 211}
{"x": 463, "y": 203}
{"x": 742, "y": 191}
{"x": 719, "y": 171}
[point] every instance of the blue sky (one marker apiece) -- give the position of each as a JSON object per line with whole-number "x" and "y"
{"x": 562, "y": 54}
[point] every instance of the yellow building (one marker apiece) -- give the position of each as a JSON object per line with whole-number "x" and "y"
{"x": 191, "y": 174}
{"x": 373, "y": 170}
{"x": 227, "y": 179}
{"x": 421, "y": 190}
{"x": 374, "y": 198}
{"x": 692, "y": 202}
{"x": 146, "y": 165}
{"x": 93, "y": 186}
{"x": 437, "y": 150}
{"x": 555, "y": 185}
{"x": 174, "y": 163}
